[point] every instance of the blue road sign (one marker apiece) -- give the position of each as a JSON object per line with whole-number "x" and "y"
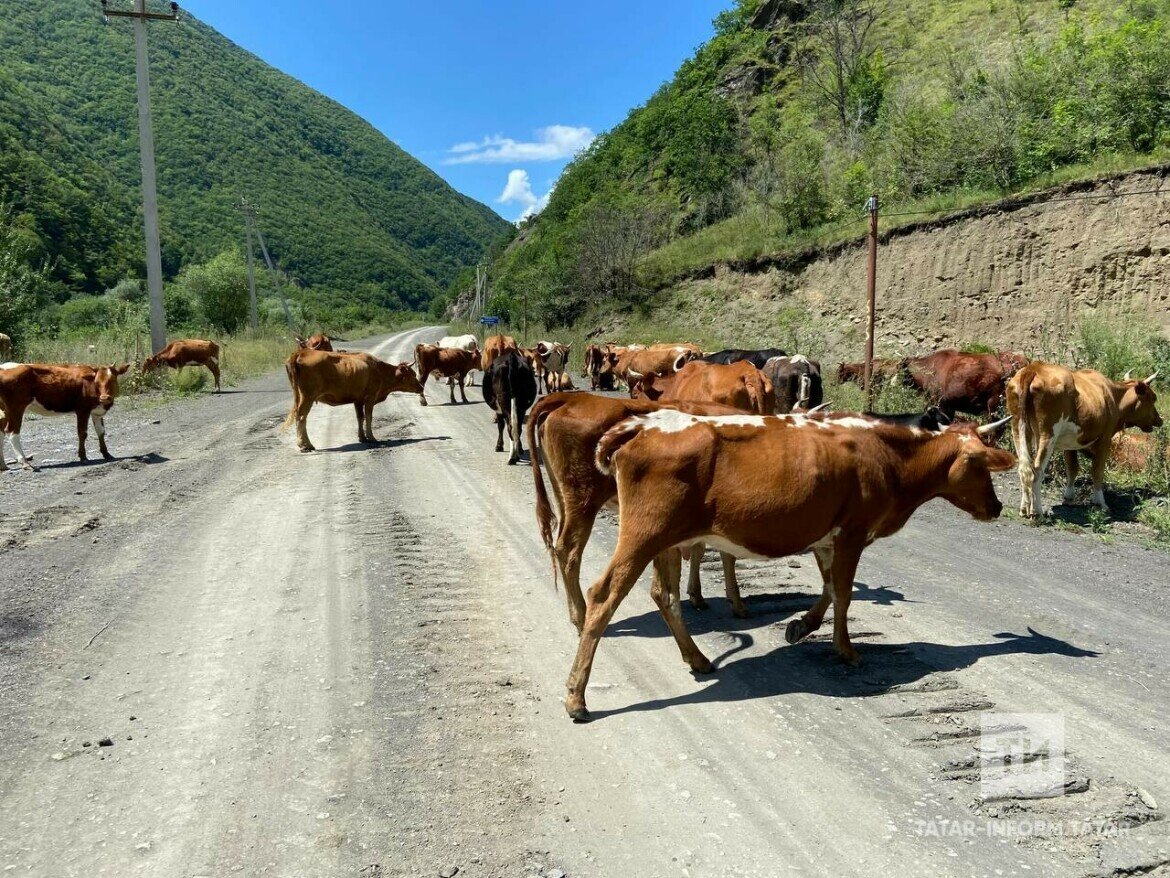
{"x": 489, "y": 321}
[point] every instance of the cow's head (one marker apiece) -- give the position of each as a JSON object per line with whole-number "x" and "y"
{"x": 968, "y": 481}
{"x": 400, "y": 378}
{"x": 685, "y": 357}
{"x": 1139, "y": 405}
{"x": 148, "y": 364}
{"x": 105, "y": 381}
{"x": 1011, "y": 362}
{"x": 650, "y": 386}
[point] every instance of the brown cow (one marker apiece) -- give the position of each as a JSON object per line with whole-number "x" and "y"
{"x": 454, "y": 364}
{"x": 85, "y": 391}
{"x": 883, "y": 370}
{"x": 959, "y": 382}
{"x": 633, "y": 364}
{"x": 532, "y": 358}
{"x": 1056, "y": 409}
{"x": 770, "y": 487}
{"x": 740, "y": 386}
{"x": 565, "y": 429}
{"x": 318, "y": 342}
{"x": 357, "y": 378}
{"x": 595, "y": 357}
{"x": 187, "y": 352}
{"x": 493, "y": 346}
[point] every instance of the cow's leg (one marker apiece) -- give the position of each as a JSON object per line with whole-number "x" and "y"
{"x": 213, "y": 368}
{"x": 1023, "y": 466}
{"x": 370, "y": 437}
{"x": 798, "y": 629}
{"x": 22, "y": 458}
{"x": 1100, "y": 454}
{"x": 573, "y": 533}
{"x": 515, "y": 432}
{"x": 846, "y": 555}
{"x": 1072, "y": 465}
{"x": 462, "y": 390}
{"x": 500, "y": 422}
{"x": 694, "y": 582}
{"x": 82, "y": 433}
{"x": 664, "y": 590}
{"x": 4, "y": 441}
{"x": 731, "y": 587}
{"x": 451, "y": 388}
{"x": 1045, "y": 446}
{"x": 615, "y": 583}
{"x": 99, "y": 427}
{"x": 357, "y": 410}
{"x": 304, "y": 405}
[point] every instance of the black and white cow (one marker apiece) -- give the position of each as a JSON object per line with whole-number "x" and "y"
{"x": 737, "y": 355}
{"x": 509, "y": 387}
{"x": 796, "y": 381}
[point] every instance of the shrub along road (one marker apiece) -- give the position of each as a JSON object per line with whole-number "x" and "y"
{"x": 220, "y": 655}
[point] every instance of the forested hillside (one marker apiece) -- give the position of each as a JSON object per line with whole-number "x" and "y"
{"x": 773, "y": 135}
{"x": 346, "y": 213}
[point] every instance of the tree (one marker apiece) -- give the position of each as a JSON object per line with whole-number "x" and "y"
{"x": 23, "y": 286}
{"x": 221, "y": 289}
{"x": 610, "y": 241}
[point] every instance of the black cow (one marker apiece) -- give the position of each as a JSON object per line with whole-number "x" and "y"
{"x": 509, "y": 387}
{"x": 933, "y": 419}
{"x": 738, "y": 355}
{"x": 797, "y": 381}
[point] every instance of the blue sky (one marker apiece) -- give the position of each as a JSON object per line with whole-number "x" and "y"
{"x": 515, "y": 85}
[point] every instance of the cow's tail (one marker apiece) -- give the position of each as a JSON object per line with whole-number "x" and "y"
{"x": 613, "y": 440}
{"x": 545, "y": 518}
{"x": 1024, "y": 421}
{"x": 290, "y": 369}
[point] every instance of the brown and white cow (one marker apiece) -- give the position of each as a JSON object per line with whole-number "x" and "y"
{"x": 565, "y": 429}
{"x": 770, "y": 487}
{"x": 187, "y": 352}
{"x": 1057, "y": 409}
{"x": 493, "y": 346}
{"x": 318, "y": 342}
{"x": 554, "y": 359}
{"x": 85, "y": 391}
{"x": 454, "y": 364}
{"x": 738, "y": 385}
{"x": 352, "y": 378}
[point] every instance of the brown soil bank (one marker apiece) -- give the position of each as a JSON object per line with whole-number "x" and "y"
{"x": 1018, "y": 273}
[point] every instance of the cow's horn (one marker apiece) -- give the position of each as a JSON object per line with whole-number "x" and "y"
{"x": 1150, "y": 380}
{"x": 988, "y": 429}
{"x": 819, "y": 408}
{"x": 680, "y": 361}
{"x": 1128, "y": 376}
{"x": 632, "y": 374}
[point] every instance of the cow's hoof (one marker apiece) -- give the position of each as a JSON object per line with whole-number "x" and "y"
{"x": 796, "y": 630}
{"x": 850, "y": 657}
{"x": 698, "y": 602}
{"x": 580, "y": 715}
{"x": 741, "y": 612}
{"x": 305, "y": 449}
{"x": 106, "y": 455}
{"x": 701, "y": 665}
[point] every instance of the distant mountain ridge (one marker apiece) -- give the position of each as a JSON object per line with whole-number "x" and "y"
{"x": 341, "y": 206}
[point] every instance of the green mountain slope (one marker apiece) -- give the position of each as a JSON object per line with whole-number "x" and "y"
{"x": 774, "y": 133}
{"x": 340, "y": 205}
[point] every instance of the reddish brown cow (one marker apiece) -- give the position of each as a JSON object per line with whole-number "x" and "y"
{"x": 85, "y": 391}
{"x": 454, "y": 364}
{"x": 565, "y": 429}
{"x": 595, "y": 357}
{"x": 495, "y": 345}
{"x": 358, "y": 379}
{"x": 959, "y": 382}
{"x": 631, "y": 365}
{"x": 770, "y": 487}
{"x": 1056, "y": 409}
{"x": 883, "y": 370}
{"x": 187, "y": 352}
{"x": 318, "y": 342}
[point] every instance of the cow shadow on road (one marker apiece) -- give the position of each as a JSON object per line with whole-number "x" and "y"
{"x": 131, "y": 461}
{"x": 813, "y": 668}
{"x": 382, "y": 444}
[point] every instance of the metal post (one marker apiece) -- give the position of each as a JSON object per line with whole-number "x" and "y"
{"x": 871, "y": 292}
{"x": 158, "y": 324}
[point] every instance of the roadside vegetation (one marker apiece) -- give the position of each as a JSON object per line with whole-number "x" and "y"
{"x": 773, "y": 135}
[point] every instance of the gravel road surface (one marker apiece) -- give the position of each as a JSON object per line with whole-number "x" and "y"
{"x": 219, "y": 656}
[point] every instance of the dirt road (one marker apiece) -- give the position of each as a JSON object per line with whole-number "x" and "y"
{"x": 218, "y": 656}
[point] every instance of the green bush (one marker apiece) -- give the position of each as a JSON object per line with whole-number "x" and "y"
{"x": 221, "y": 289}
{"x": 189, "y": 379}
{"x": 85, "y": 312}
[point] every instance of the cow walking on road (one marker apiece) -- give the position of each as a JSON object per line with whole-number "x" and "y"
{"x": 85, "y": 391}
{"x": 191, "y": 352}
{"x": 1057, "y": 409}
{"x": 509, "y": 388}
{"x": 454, "y": 364}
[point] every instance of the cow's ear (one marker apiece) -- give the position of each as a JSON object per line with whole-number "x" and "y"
{"x": 121, "y": 370}
{"x": 997, "y": 459}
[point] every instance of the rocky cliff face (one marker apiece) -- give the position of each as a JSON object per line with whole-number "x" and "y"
{"x": 1018, "y": 274}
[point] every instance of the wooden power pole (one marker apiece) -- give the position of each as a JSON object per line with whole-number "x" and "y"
{"x": 253, "y": 229}
{"x": 253, "y": 314}
{"x": 158, "y": 320}
{"x": 871, "y": 296}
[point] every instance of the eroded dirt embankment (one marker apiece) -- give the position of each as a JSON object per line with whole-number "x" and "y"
{"x": 1017, "y": 274}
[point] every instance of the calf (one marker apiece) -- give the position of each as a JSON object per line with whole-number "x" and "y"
{"x": 1056, "y": 409}
{"x": 454, "y": 364}
{"x": 318, "y": 342}
{"x": 797, "y": 382}
{"x": 85, "y": 391}
{"x": 770, "y": 487}
{"x": 738, "y": 355}
{"x": 351, "y": 378}
{"x": 509, "y": 387}
{"x": 493, "y": 346}
{"x": 190, "y": 352}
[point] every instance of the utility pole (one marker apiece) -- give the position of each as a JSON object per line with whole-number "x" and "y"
{"x": 253, "y": 229}
{"x": 158, "y": 320}
{"x": 253, "y": 316}
{"x": 871, "y": 293}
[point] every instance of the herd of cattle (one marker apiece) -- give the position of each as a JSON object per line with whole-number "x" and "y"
{"x": 732, "y": 450}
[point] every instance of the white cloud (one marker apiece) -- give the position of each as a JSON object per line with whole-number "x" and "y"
{"x": 518, "y": 190}
{"x": 551, "y": 143}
